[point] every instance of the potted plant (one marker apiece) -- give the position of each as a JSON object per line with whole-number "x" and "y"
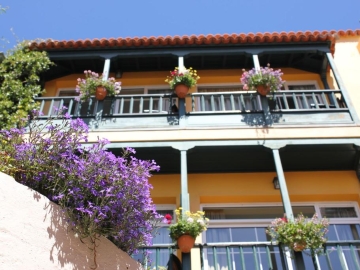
{"x": 181, "y": 80}
{"x": 189, "y": 225}
{"x": 301, "y": 233}
{"x": 264, "y": 80}
{"x": 93, "y": 84}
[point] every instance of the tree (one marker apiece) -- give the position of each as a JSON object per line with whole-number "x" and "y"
{"x": 20, "y": 84}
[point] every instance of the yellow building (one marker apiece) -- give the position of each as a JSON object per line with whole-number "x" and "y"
{"x": 222, "y": 149}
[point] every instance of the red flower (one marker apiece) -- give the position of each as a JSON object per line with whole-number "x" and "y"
{"x": 284, "y": 219}
{"x": 168, "y": 217}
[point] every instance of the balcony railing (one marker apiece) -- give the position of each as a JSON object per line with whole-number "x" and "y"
{"x": 344, "y": 255}
{"x": 207, "y": 109}
{"x": 285, "y": 101}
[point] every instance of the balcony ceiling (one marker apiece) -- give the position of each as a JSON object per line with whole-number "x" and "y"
{"x": 226, "y": 159}
{"x": 311, "y": 61}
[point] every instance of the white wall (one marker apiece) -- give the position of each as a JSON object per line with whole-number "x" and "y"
{"x": 33, "y": 235}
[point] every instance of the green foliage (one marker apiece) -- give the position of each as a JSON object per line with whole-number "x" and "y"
{"x": 301, "y": 233}
{"x": 20, "y": 84}
{"x": 189, "y": 223}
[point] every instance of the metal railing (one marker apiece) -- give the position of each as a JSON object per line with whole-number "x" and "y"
{"x": 295, "y": 100}
{"x": 338, "y": 255}
{"x": 116, "y": 106}
{"x": 216, "y": 102}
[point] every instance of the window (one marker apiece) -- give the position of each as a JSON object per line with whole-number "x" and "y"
{"x": 225, "y": 102}
{"x": 248, "y": 224}
{"x": 161, "y": 237}
{"x": 301, "y": 101}
{"x": 130, "y": 103}
{"x": 67, "y": 102}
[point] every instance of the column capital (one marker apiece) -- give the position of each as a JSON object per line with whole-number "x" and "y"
{"x": 185, "y": 146}
{"x": 274, "y": 145}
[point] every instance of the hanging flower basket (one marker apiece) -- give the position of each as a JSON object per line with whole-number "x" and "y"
{"x": 264, "y": 80}
{"x": 181, "y": 80}
{"x": 263, "y": 90}
{"x": 300, "y": 233}
{"x": 299, "y": 246}
{"x": 93, "y": 84}
{"x": 185, "y": 243}
{"x": 181, "y": 90}
{"x": 100, "y": 92}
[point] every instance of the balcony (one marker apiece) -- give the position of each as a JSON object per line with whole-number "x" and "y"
{"x": 258, "y": 255}
{"x": 220, "y": 109}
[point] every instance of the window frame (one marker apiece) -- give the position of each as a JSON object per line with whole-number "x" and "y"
{"x": 266, "y": 222}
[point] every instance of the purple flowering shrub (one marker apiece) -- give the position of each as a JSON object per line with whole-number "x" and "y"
{"x": 101, "y": 193}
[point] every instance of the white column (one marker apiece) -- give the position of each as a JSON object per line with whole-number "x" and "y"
{"x": 106, "y": 70}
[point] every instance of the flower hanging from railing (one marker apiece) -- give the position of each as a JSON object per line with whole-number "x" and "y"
{"x": 93, "y": 84}
{"x": 301, "y": 233}
{"x": 181, "y": 80}
{"x": 264, "y": 80}
{"x": 188, "y": 226}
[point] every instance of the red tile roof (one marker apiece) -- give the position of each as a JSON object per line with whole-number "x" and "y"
{"x": 250, "y": 38}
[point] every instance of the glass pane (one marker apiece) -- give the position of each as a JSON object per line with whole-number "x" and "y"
{"x": 272, "y": 212}
{"x": 220, "y": 89}
{"x": 160, "y": 91}
{"x": 126, "y": 92}
{"x": 216, "y": 235}
{"x": 343, "y": 232}
{"x": 240, "y": 234}
{"x": 68, "y": 93}
{"x": 338, "y": 212}
{"x": 302, "y": 87}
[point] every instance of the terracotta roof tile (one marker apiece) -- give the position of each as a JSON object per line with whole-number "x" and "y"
{"x": 250, "y": 38}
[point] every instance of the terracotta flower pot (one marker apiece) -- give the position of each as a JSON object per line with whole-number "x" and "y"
{"x": 300, "y": 246}
{"x": 100, "y": 92}
{"x": 185, "y": 243}
{"x": 181, "y": 90}
{"x": 263, "y": 89}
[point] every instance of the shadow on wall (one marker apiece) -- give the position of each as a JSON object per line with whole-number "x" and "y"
{"x": 34, "y": 234}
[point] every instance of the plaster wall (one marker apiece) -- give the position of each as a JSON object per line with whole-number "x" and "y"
{"x": 34, "y": 235}
{"x": 257, "y": 187}
{"x": 347, "y": 60}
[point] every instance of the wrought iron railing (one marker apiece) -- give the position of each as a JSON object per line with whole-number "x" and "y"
{"x": 286, "y": 101}
{"x": 338, "y": 255}
{"x": 216, "y": 102}
{"x": 116, "y": 107}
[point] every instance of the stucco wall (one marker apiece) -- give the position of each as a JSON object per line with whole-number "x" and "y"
{"x": 33, "y": 235}
{"x": 347, "y": 60}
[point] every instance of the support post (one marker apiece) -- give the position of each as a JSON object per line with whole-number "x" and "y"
{"x": 283, "y": 188}
{"x": 264, "y": 100}
{"x": 186, "y": 261}
{"x": 256, "y": 61}
{"x": 106, "y": 69}
{"x": 298, "y": 257}
{"x": 181, "y": 63}
{"x": 100, "y": 103}
{"x": 341, "y": 85}
{"x": 185, "y": 204}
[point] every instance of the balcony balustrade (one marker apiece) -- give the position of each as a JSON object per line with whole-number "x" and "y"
{"x": 207, "y": 109}
{"x": 344, "y": 255}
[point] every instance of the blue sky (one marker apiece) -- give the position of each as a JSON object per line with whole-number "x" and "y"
{"x": 79, "y": 19}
